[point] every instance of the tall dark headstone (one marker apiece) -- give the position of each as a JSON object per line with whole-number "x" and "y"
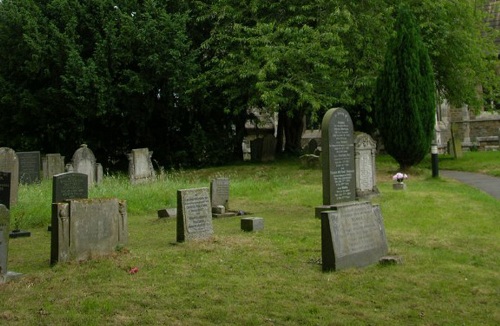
{"x": 29, "y": 167}
{"x": 194, "y": 214}
{"x": 5, "y": 188}
{"x": 339, "y": 179}
{"x": 10, "y": 163}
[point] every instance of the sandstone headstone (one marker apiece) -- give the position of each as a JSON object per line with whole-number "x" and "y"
{"x": 52, "y": 164}
{"x": 339, "y": 180}
{"x": 84, "y": 161}
{"x": 352, "y": 235}
{"x": 69, "y": 185}
{"x": 10, "y": 163}
{"x": 140, "y": 165}
{"x": 29, "y": 167}
{"x": 194, "y": 214}
{"x": 5, "y": 188}
{"x": 366, "y": 177}
{"x": 86, "y": 228}
{"x": 219, "y": 192}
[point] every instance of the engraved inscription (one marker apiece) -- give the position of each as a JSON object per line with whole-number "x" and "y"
{"x": 70, "y": 186}
{"x": 197, "y": 212}
{"x": 365, "y": 172}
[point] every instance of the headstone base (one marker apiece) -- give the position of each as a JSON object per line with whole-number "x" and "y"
{"x": 399, "y": 186}
{"x": 9, "y": 277}
{"x": 250, "y": 224}
{"x": 319, "y": 209}
{"x": 19, "y": 234}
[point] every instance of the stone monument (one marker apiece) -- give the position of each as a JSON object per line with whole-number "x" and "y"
{"x": 5, "y": 275}
{"x": 352, "y": 232}
{"x": 84, "y": 161}
{"x": 29, "y": 167}
{"x": 140, "y": 166}
{"x": 194, "y": 214}
{"x": 219, "y": 197}
{"x": 10, "y": 163}
{"x": 366, "y": 175}
{"x": 52, "y": 164}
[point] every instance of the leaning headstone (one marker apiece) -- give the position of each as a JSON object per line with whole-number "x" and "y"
{"x": 366, "y": 177}
{"x": 29, "y": 167}
{"x": 87, "y": 228}
{"x": 140, "y": 166}
{"x": 84, "y": 161}
{"x": 5, "y": 185}
{"x": 52, "y": 164}
{"x": 194, "y": 214}
{"x": 10, "y": 163}
{"x": 5, "y": 275}
{"x": 69, "y": 185}
{"x": 455, "y": 143}
{"x": 352, "y": 235}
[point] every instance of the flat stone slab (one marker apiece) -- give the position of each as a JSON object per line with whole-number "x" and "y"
{"x": 167, "y": 212}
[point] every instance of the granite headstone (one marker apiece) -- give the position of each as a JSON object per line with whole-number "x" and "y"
{"x": 29, "y": 167}
{"x": 194, "y": 214}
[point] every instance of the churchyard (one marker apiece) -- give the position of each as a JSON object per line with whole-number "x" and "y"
{"x": 446, "y": 234}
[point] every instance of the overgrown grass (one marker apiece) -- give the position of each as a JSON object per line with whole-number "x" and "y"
{"x": 446, "y": 232}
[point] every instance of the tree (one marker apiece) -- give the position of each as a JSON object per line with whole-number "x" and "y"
{"x": 405, "y": 94}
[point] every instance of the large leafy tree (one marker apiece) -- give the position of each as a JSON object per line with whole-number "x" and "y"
{"x": 405, "y": 94}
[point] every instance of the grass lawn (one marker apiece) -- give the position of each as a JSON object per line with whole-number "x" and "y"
{"x": 446, "y": 232}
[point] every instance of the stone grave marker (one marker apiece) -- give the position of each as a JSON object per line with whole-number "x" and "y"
{"x": 84, "y": 161}
{"x": 5, "y": 188}
{"x": 5, "y": 274}
{"x": 268, "y": 148}
{"x": 140, "y": 165}
{"x": 87, "y": 228}
{"x": 29, "y": 167}
{"x": 10, "y": 163}
{"x": 366, "y": 176}
{"x": 339, "y": 179}
{"x": 352, "y": 235}
{"x": 69, "y": 185}
{"x": 194, "y": 214}
{"x": 219, "y": 195}
{"x": 52, "y": 164}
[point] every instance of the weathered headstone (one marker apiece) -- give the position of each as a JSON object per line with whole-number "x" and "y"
{"x": 52, "y": 164}
{"x": 5, "y": 275}
{"x": 29, "y": 167}
{"x": 69, "y": 185}
{"x": 268, "y": 148}
{"x": 140, "y": 165}
{"x": 84, "y": 161}
{"x": 352, "y": 235}
{"x": 339, "y": 180}
{"x": 194, "y": 214}
{"x": 455, "y": 142}
{"x": 366, "y": 177}
{"x": 10, "y": 163}
{"x": 5, "y": 188}
{"x": 85, "y": 228}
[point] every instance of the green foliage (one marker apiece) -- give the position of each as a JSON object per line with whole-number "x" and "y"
{"x": 405, "y": 94}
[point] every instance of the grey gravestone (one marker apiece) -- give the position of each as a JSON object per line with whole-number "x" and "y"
{"x": 366, "y": 175}
{"x": 140, "y": 165}
{"x": 69, "y": 185}
{"x": 86, "y": 228}
{"x": 29, "y": 167}
{"x": 352, "y": 235}
{"x": 10, "y": 163}
{"x": 339, "y": 180}
{"x": 219, "y": 192}
{"x": 52, "y": 164}
{"x": 194, "y": 214}
{"x": 250, "y": 224}
{"x": 84, "y": 161}
{"x": 5, "y": 189}
{"x": 5, "y": 275}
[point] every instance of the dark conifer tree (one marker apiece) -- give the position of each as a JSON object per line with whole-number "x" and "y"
{"x": 405, "y": 94}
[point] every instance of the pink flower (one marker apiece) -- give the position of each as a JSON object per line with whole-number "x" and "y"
{"x": 133, "y": 270}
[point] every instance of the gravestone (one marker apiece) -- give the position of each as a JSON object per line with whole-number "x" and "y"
{"x": 366, "y": 176}
{"x": 87, "y": 228}
{"x": 52, "y": 164}
{"x": 219, "y": 197}
{"x": 29, "y": 167}
{"x": 84, "y": 161}
{"x": 5, "y": 275}
{"x": 10, "y": 163}
{"x": 140, "y": 166}
{"x": 339, "y": 180}
{"x": 268, "y": 148}
{"x": 352, "y": 235}
{"x": 194, "y": 214}
{"x": 5, "y": 188}
{"x": 69, "y": 185}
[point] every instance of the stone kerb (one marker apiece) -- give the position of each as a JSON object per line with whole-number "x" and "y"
{"x": 339, "y": 180}
{"x": 194, "y": 214}
{"x": 366, "y": 175}
{"x": 10, "y": 163}
{"x": 87, "y": 228}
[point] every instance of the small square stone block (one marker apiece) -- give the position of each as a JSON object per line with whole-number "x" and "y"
{"x": 399, "y": 186}
{"x": 252, "y": 224}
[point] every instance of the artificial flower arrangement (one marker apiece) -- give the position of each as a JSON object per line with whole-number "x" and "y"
{"x": 399, "y": 177}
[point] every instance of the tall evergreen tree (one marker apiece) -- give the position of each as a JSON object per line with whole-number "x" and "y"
{"x": 405, "y": 94}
